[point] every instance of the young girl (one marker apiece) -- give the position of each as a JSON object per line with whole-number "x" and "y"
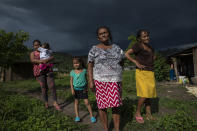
{"x": 45, "y": 53}
{"x": 79, "y": 88}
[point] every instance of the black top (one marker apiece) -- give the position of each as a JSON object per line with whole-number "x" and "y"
{"x": 144, "y": 57}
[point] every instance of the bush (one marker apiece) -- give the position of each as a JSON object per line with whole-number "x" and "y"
{"x": 161, "y": 68}
{"x": 180, "y": 121}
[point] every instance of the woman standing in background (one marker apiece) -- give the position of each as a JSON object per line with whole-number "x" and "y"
{"x": 145, "y": 80}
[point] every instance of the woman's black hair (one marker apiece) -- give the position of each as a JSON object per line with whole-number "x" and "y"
{"x": 140, "y": 32}
{"x": 37, "y": 42}
{"x": 80, "y": 61}
{"x": 107, "y": 28}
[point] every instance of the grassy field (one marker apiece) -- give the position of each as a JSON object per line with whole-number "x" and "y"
{"x": 174, "y": 108}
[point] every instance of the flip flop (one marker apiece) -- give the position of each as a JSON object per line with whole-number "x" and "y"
{"x": 139, "y": 119}
{"x": 150, "y": 118}
{"x": 57, "y": 107}
{"x": 46, "y": 106}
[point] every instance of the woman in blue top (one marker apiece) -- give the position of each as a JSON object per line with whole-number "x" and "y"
{"x": 78, "y": 82}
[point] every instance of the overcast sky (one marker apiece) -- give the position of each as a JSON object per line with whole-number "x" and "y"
{"x": 70, "y": 25}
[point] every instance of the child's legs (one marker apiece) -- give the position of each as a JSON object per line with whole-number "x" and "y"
{"x": 43, "y": 84}
{"x": 51, "y": 85}
{"x": 88, "y": 106}
{"x": 77, "y": 107}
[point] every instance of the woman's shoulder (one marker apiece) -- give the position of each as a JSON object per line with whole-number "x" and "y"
{"x": 94, "y": 48}
{"x": 35, "y": 53}
{"x": 114, "y": 45}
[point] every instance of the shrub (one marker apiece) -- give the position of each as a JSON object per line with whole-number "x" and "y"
{"x": 180, "y": 121}
{"x": 161, "y": 68}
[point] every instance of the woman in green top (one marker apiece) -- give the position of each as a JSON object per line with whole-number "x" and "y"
{"x": 78, "y": 82}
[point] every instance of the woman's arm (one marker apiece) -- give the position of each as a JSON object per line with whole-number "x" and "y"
{"x": 90, "y": 75}
{"x": 39, "y": 61}
{"x": 128, "y": 53}
{"x": 154, "y": 57}
{"x": 34, "y": 60}
{"x": 49, "y": 59}
{"x": 71, "y": 85}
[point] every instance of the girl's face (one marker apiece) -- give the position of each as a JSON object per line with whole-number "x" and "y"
{"x": 36, "y": 45}
{"x": 76, "y": 64}
{"x": 144, "y": 38}
{"x": 103, "y": 35}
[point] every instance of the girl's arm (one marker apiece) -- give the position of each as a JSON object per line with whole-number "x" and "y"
{"x": 71, "y": 85}
{"x": 128, "y": 53}
{"x": 90, "y": 75}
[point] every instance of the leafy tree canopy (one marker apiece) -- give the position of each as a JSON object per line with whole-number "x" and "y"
{"x": 12, "y": 46}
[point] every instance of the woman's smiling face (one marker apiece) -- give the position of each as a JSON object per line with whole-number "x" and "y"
{"x": 144, "y": 37}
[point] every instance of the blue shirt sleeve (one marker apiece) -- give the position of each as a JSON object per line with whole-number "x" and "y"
{"x": 71, "y": 73}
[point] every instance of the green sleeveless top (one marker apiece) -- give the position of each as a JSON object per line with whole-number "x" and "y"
{"x": 79, "y": 80}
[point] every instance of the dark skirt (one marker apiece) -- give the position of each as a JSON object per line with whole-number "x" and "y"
{"x": 81, "y": 94}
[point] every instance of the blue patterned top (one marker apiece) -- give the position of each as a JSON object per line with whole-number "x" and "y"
{"x": 106, "y": 63}
{"x": 79, "y": 80}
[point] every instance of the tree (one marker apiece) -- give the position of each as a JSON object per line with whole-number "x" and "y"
{"x": 12, "y": 47}
{"x": 132, "y": 40}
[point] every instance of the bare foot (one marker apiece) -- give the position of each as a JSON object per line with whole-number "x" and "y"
{"x": 150, "y": 117}
{"x": 57, "y": 107}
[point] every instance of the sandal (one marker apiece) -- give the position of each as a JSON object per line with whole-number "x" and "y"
{"x": 77, "y": 119}
{"x": 57, "y": 107}
{"x": 46, "y": 106}
{"x": 139, "y": 119}
{"x": 150, "y": 118}
{"x": 93, "y": 119}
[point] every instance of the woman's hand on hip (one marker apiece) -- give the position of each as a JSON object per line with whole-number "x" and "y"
{"x": 140, "y": 66}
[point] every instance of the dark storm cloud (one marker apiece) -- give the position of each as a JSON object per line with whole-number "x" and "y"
{"x": 70, "y": 25}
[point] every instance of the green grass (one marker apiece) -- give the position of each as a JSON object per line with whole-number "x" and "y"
{"x": 170, "y": 104}
{"x": 19, "y": 112}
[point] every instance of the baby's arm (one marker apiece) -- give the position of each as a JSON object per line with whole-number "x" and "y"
{"x": 41, "y": 49}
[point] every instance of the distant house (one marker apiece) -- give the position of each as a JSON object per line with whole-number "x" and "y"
{"x": 23, "y": 69}
{"x": 20, "y": 70}
{"x": 185, "y": 63}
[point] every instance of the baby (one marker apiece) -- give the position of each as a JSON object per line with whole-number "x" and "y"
{"x": 45, "y": 53}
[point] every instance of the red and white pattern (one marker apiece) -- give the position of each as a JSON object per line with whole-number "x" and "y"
{"x": 108, "y": 94}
